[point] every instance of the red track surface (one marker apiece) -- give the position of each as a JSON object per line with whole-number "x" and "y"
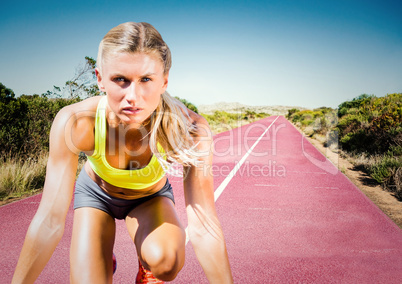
{"x": 288, "y": 214}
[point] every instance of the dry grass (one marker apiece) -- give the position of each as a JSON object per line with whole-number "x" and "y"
{"x": 366, "y": 161}
{"x": 20, "y": 177}
{"x": 385, "y": 169}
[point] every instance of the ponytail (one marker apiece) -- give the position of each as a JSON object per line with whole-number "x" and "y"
{"x": 172, "y": 129}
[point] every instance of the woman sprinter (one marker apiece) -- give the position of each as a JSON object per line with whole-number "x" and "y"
{"x": 132, "y": 136}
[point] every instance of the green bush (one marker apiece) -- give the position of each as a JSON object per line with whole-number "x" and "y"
{"x": 189, "y": 105}
{"x": 222, "y": 121}
{"x": 291, "y": 112}
{"x": 395, "y": 151}
{"x": 383, "y": 170}
{"x": 366, "y": 125}
{"x": 25, "y": 122}
{"x": 375, "y": 123}
{"x": 320, "y": 119}
{"x": 356, "y": 103}
{"x": 307, "y": 121}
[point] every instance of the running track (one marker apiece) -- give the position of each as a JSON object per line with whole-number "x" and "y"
{"x": 288, "y": 214}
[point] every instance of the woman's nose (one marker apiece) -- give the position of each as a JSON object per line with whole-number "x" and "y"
{"x": 131, "y": 94}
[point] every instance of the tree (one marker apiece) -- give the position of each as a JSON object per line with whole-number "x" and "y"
{"x": 6, "y": 94}
{"x": 12, "y": 117}
{"x": 82, "y": 85}
{"x": 25, "y": 122}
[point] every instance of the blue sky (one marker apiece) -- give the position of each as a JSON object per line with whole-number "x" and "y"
{"x": 297, "y": 53}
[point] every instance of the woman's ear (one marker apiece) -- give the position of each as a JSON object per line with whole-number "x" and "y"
{"x": 99, "y": 80}
{"x": 165, "y": 81}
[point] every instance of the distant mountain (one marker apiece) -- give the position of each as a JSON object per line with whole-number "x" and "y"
{"x": 238, "y": 107}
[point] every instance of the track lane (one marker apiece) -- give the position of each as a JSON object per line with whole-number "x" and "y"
{"x": 299, "y": 221}
{"x": 288, "y": 216}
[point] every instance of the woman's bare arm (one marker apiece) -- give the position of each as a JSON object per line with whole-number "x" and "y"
{"x": 47, "y": 226}
{"x": 204, "y": 227}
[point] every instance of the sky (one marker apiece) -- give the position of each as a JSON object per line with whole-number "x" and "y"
{"x": 306, "y": 53}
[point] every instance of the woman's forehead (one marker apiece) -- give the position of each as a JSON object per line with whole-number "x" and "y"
{"x": 139, "y": 61}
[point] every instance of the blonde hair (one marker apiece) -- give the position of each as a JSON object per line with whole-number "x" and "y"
{"x": 170, "y": 126}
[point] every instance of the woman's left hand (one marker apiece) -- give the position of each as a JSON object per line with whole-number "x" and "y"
{"x": 204, "y": 228}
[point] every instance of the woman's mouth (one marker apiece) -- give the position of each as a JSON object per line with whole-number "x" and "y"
{"x": 131, "y": 110}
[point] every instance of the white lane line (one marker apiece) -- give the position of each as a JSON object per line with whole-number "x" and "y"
{"x": 228, "y": 178}
{"x": 223, "y": 185}
{"x": 261, "y": 209}
{"x": 301, "y": 172}
{"x": 327, "y": 187}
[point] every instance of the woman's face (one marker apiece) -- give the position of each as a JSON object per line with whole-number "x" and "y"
{"x": 134, "y": 83}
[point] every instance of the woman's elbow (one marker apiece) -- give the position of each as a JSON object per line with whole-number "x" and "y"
{"x": 49, "y": 225}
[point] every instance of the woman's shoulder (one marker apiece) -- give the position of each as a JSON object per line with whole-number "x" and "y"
{"x": 199, "y": 124}
{"x": 197, "y": 118}
{"x": 82, "y": 107}
{"x": 77, "y": 121}
{"x": 85, "y": 109}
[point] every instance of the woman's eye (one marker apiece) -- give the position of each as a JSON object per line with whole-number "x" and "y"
{"x": 145, "y": 79}
{"x": 119, "y": 80}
